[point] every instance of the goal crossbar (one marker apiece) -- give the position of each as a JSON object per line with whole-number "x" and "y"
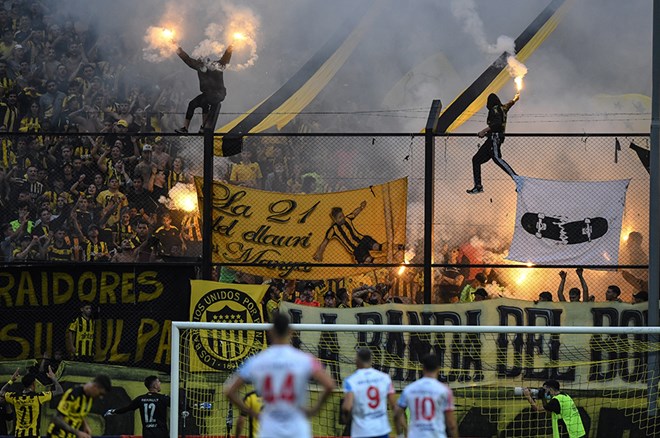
{"x": 177, "y": 326}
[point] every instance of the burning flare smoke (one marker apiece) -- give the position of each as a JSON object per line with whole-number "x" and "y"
{"x": 181, "y": 197}
{"x": 240, "y": 32}
{"x": 517, "y": 70}
{"x": 161, "y": 43}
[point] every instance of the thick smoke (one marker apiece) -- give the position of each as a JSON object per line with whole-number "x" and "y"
{"x": 592, "y": 74}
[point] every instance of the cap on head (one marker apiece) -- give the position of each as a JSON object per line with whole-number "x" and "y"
{"x": 481, "y": 278}
{"x": 123, "y": 123}
{"x": 147, "y": 148}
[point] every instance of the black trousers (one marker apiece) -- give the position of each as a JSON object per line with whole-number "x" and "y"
{"x": 210, "y": 106}
{"x": 491, "y": 149}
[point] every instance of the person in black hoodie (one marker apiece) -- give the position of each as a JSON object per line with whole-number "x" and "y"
{"x": 494, "y": 132}
{"x": 212, "y": 86}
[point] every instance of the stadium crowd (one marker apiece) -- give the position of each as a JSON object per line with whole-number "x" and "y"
{"x": 84, "y": 175}
{"x": 99, "y": 191}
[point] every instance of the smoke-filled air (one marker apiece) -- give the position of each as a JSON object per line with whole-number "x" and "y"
{"x": 591, "y": 74}
{"x": 376, "y": 67}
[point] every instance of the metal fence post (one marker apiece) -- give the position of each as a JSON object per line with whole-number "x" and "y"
{"x": 207, "y": 216}
{"x": 429, "y": 196}
{"x": 654, "y": 212}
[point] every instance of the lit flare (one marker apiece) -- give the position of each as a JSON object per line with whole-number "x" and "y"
{"x": 519, "y": 82}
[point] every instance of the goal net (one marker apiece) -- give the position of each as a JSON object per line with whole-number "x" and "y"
{"x": 610, "y": 372}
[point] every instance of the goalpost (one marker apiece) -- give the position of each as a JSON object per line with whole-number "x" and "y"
{"x": 604, "y": 369}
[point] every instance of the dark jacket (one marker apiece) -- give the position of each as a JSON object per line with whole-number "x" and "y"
{"x": 497, "y": 112}
{"x": 211, "y": 82}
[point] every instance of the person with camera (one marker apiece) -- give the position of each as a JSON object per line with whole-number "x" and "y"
{"x": 566, "y": 419}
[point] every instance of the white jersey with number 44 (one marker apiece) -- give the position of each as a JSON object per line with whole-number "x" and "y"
{"x": 427, "y": 400}
{"x": 280, "y": 375}
{"x": 370, "y": 389}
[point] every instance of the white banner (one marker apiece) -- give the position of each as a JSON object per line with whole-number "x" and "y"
{"x": 568, "y": 222}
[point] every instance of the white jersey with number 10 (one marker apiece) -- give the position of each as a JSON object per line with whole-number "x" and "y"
{"x": 428, "y": 400}
{"x": 370, "y": 389}
{"x": 280, "y": 375}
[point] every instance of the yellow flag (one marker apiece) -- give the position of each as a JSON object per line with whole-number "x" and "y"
{"x": 285, "y": 235}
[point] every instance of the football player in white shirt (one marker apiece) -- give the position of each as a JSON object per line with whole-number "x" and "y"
{"x": 280, "y": 375}
{"x": 431, "y": 405}
{"x": 367, "y": 394}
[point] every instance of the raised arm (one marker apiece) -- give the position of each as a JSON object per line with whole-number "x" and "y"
{"x": 58, "y": 388}
{"x": 358, "y": 210}
{"x": 226, "y": 57}
{"x": 583, "y": 283}
{"x": 562, "y": 283}
{"x": 190, "y": 62}
{"x": 10, "y": 382}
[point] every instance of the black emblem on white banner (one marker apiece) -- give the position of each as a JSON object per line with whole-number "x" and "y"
{"x": 569, "y": 233}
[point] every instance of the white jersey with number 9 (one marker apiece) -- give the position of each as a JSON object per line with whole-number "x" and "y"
{"x": 370, "y": 389}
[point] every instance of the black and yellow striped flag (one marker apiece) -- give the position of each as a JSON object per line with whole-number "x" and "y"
{"x": 299, "y": 91}
{"x": 493, "y": 79}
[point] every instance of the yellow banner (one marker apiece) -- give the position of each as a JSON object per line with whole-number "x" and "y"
{"x": 287, "y": 235}
{"x": 212, "y": 301}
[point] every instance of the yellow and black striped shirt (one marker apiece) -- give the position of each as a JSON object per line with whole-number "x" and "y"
{"x": 83, "y": 330}
{"x": 254, "y": 402}
{"x": 122, "y": 232}
{"x": 62, "y": 253}
{"x": 73, "y": 408}
{"x": 9, "y": 117}
{"x": 7, "y": 155}
{"x": 346, "y": 234}
{"x": 93, "y": 250}
{"x": 173, "y": 178}
{"x": 30, "y": 124}
{"x": 28, "y": 411}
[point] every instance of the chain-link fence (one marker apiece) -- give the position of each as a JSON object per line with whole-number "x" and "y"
{"x": 108, "y": 202}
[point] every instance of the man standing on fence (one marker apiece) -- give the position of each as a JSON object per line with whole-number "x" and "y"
{"x": 497, "y": 113}
{"x": 212, "y": 86}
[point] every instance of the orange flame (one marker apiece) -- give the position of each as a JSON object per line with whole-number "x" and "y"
{"x": 519, "y": 82}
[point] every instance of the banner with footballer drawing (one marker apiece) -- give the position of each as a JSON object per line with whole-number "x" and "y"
{"x": 286, "y": 234}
